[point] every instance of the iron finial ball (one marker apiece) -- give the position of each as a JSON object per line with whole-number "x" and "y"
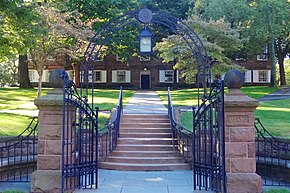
{"x": 55, "y": 78}
{"x": 234, "y": 79}
{"x": 145, "y": 15}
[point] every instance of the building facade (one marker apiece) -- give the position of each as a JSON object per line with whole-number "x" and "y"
{"x": 147, "y": 72}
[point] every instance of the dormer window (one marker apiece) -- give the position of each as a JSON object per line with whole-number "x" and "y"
{"x": 145, "y": 58}
{"x": 263, "y": 56}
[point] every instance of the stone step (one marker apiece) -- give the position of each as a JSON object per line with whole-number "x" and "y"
{"x": 141, "y": 120}
{"x": 151, "y": 141}
{"x": 145, "y": 116}
{"x": 142, "y": 147}
{"x": 144, "y": 125}
{"x": 145, "y": 130}
{"x": 145, "y": 135}
{"x": 145, "y": 154}
{"x": 147, "y": 160}
{"x": 144, "y": 167}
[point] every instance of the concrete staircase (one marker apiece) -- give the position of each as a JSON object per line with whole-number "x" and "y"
{"x": 145, "y": 144}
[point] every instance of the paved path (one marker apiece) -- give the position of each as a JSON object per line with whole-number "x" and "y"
{"x": 145, "y": 102}
{"x": 284, "y": 93}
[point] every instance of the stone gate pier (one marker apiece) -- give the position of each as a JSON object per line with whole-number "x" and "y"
{"x": 240, "y": 138}
{"x": 47, "y": 177}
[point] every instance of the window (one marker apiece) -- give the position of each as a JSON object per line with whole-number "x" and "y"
{"x": 118, "y": 59}
{"x": 144, "y": 58}
{"x": 121, "y": 76}
{"x": 263, "y": 55}
{"x": 98, "y": 76}
{"x": 33, "y": 76}
{"x": 166, "y": 76}
{"x": 100, "y": 58}
{"x": 263, "y": 76}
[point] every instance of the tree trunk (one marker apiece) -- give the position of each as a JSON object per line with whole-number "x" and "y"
{"x": 39, "y": 86}
{"x": 282, "y": 71}
{"x": 24, "y": 81}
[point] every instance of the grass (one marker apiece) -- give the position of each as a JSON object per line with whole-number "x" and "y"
{"x": 258, "y": 91}
{"x": 185, "y": 97}
{"x": 15, "y": 98}
{"x": 273, "y": 114}
{"x": 188, "y": 97}
{"x": 12, "y": 125}
{"x": 23, "y": 99}
{"x": 278, "y": 191}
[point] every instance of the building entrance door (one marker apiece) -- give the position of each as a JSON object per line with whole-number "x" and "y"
{"x": 145, "y": 81}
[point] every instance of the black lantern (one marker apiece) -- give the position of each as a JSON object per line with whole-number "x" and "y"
{"x": 145, "y": 42}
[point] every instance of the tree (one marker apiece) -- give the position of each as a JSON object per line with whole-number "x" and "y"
{"x": 219, "y": 39}
{"x": 18, "y": 21}
{"x": 55, "y": 37}
{"x": 259, "y": 22}
{"x": 24, "y": 81}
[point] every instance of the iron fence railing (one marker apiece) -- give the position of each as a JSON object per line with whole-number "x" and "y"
{"x": 272, "y": 156}
{"x": 108, "y": 136}
{"x": 181, "y": 136}
{"x": 18, "y": 155}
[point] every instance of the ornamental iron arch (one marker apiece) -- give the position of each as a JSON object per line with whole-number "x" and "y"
{"x": 85, "y": 120}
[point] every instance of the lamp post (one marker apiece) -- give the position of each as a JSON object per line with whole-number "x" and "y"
{"x": 145, "y": 42}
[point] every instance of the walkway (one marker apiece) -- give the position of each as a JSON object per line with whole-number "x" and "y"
{"x": 284, "y": 93}
{"x": 145, "y": 102}
{"x": 112, "y": 181}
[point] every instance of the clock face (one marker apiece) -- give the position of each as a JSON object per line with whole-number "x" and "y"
{"x": 145, "y": 44}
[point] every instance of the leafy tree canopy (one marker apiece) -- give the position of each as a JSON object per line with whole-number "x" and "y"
{"x": 219, "y": 39}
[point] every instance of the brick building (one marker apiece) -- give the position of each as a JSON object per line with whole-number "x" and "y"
{"x": 149, "y": 72}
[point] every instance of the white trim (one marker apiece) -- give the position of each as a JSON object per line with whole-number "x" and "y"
{"x": 255, "y": 76}
{"x": 248, "y": 76}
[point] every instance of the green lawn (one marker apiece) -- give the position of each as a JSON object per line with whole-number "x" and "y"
{"x": 258, "y": 91}
{"x": 188, "y": 97}
{"x": 23, "y": 99}
{"x": 278, "y": 191}
{"x": 273, "y": 114}
{"x": 185, "y": 97}
{"x": 12, "y": 125}
{"x": 15, "y": 98}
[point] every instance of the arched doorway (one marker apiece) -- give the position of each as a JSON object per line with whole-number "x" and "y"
{"x": 79, "y": 108}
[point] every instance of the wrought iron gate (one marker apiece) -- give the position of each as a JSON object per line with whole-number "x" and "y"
{"x": 80, "y": 141}
{"x": 208, "y": 141}
{"x": 80, "y": 128}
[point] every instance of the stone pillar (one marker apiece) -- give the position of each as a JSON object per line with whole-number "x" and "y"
{"x": 240, "y": 138}
{"x": 47, "y": 177}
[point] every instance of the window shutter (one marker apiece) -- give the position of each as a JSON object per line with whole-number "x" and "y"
{"x": 114, "y": 76}
{"x": 90, "y": 76}
{"x": 269, "y": 76}
{"x": 44, "y": 76}
{"x": 104, "y": 76}
{"x": 161, "y": 75}
{"x": 248, "y": 75}
{"x": 255, "y": 76}
{"x": 128, "y": 76}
